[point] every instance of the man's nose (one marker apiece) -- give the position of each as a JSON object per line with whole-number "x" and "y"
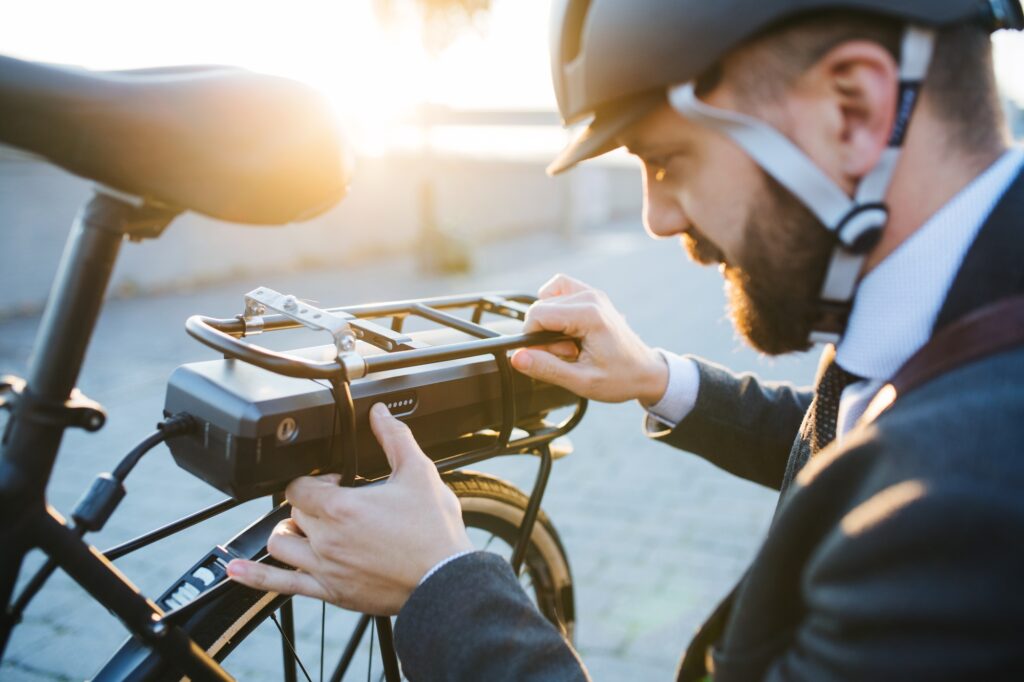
{"x": 663, "y": 214}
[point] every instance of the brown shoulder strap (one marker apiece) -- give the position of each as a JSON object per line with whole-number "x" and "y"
{"x": 989, "y": 330}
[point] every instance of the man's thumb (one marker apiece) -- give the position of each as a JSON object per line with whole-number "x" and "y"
{"x": 394, "y": 437}
{"x": 547, "y": 367}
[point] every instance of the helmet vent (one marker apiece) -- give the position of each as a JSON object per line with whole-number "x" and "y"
{"x": 572, "y": 36}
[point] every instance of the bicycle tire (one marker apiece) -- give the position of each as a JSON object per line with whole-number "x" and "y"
{"x": 488, "y": 503}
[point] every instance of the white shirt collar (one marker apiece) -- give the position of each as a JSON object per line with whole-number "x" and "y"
{"x": 898, "y": 302}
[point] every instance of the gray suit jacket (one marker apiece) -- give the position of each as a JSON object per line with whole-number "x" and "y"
{"x": 897, "y": 555}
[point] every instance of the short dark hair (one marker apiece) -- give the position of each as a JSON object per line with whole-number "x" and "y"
{"x": 960, "y": 86}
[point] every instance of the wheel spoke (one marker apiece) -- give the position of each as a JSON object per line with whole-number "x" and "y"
{"x": 323, "y": 617}
{"x": 291, "y": 648}
{"x": 369, "y": 662}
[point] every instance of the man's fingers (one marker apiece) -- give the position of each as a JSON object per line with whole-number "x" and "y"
{"x": 546, "y": 367}
{"x": 315, "y": 496}
{"x": 306, "y": 524}
{"x": 573, "y": 319}
{"x": 272, "y": 579}
{"x": 561, "y": 285}
{"x": 291, "y": 548}
{"x": 566, "y": 350}
{"x": 395, "y": 438}
{"x": 290, "y": 527}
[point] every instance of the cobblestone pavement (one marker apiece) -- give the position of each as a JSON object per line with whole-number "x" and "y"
{"x": 655, "y": 535}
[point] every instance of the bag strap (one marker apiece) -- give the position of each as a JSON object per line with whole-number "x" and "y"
{"x": 989, "y": 330}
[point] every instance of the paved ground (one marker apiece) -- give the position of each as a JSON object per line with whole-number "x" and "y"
{"x": 655, "y": 536}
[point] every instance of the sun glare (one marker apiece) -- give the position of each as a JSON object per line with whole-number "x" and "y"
{"x": 376, "y": 74}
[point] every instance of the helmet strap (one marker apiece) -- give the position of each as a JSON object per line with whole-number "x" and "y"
{"x": 856, "y": 222}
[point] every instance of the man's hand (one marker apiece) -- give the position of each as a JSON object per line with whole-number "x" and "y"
{"x": 611, "y": 364}
{"x": 364, "y": 549}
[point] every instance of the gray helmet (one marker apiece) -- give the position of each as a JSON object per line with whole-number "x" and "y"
{"x": 614, "y": 59}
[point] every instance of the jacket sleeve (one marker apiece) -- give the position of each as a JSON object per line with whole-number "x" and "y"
{"x": 740, "y": 424}
{"x": 472, "y": 621}
{"x": 919, "y": 582}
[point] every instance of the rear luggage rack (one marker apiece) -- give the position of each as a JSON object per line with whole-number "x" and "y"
{"x": 223, "y": 334}
{"x": 461, "y": 398}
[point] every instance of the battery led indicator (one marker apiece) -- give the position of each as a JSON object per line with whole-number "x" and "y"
{"x": 401, "y": 404}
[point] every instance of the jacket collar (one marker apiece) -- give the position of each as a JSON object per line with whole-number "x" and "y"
{"x": 993, "y": 266}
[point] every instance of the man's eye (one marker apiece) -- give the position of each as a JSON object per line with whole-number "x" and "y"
{"x": 660, "y": 161}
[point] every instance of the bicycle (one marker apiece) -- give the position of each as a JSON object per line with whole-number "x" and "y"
{"x": 252, "y": 421}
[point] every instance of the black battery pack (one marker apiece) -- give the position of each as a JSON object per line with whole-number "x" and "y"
{"x": 259, "y": 430}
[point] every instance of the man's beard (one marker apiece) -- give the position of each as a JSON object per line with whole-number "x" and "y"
{"x": 774, "y": 285}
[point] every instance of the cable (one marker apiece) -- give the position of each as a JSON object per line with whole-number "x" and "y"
{"x": 178, "y": 425}
{"x": 101, "y": 499}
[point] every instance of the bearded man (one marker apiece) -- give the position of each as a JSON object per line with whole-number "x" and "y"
{"x": 847, "y": 166}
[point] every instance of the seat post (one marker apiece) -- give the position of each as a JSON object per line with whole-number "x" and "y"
{"x": 46, "y": 405}
{"x": 30, "y": 441}
{"x": 30, "y": 447}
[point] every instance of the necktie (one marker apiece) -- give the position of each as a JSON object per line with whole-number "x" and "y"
{"x": 819, "y": 426}
{"x": 824, "y": 411}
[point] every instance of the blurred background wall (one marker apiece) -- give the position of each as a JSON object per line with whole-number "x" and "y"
{"x": 453, "y": 120}
{"x": 469, "y": 202}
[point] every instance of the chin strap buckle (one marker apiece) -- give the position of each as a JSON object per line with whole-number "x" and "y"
{"x": 861, "y": 229}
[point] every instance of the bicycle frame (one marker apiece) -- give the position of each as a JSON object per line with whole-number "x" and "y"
{"x": 47, "y": 403}
{"x": 45, "y": 407}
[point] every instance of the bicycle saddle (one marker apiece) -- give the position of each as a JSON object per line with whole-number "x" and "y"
{"x": 224, "y": 142}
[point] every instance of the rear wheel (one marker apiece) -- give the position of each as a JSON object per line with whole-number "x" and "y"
{"x": 236, "y": 629}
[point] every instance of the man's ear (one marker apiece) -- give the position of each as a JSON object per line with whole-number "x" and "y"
{"x": 858, "y": 83}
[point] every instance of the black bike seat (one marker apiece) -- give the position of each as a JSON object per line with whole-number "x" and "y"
{"x": 224, "y": 142}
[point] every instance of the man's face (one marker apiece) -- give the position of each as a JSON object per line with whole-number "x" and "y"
{"x": 699, "y": 186}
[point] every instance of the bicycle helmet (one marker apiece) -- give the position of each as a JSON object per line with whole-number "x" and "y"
{"x": 613, "y": 61}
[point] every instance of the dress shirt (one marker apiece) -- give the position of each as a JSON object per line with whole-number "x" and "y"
{"x": 680, "y": 395}
{"x": 896, "y": 304}
{"x": 442, "y": 563}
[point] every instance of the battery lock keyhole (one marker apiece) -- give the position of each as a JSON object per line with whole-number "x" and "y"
{"x": 287, "y": 430}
